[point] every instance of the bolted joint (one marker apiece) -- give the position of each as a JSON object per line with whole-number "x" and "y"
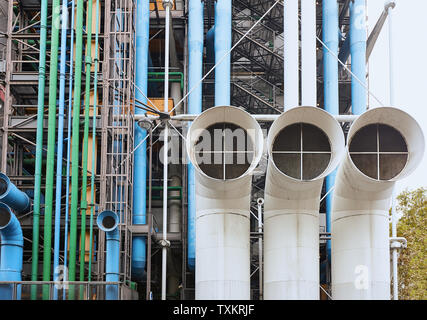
{"x": 165, "y": 243}
{"x": 88, "y": 60}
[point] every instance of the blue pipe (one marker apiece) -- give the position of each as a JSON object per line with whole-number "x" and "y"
{"x": 358, "y": 56}
{"x": 140, "y": 156}
{"x": 210, "y": 57}
{"x": 331, "y": 102}
{"x": 195, "y": 73}
{"x": 58, "y": 191}
{"x": 12, "y": 196}
{"x": 210, "y": 46}
{"x": 108, "y": 221}
{"x": 70, "y": 107}
{"x": 223, "y": 43}
{"x": 117, "y": 145}
{"x": 12, "y": 243}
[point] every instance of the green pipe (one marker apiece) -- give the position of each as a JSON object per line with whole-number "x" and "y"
{"x": 92, "y": 177}
{"x": 83, "y": 204}
{"x": 75, "y": 146}
{"x": 180, "y": 80}
{"x": 39, "y": 146}
{"x": 50, "y": 164}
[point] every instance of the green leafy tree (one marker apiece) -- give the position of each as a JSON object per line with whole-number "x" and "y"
{"x": 413, "y": 260}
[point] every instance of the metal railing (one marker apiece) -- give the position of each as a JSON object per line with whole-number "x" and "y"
{"x": 66, "y": 290}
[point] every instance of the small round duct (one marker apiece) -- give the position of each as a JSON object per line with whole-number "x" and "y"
{"x": 107, "y": 221}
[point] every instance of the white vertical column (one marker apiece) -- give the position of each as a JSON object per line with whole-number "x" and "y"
{"x": 308, "y": 53}
{"x": 394, "y": 195}
{"x": 167, "y": 4}
{"x": 291, "y": 54}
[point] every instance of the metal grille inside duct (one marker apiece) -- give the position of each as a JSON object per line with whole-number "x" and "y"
{"x": 302, "y": 151}
{"x": 224, "y": 151}
{"x": 379, "y": 151}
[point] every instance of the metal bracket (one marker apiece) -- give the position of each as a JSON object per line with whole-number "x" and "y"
{"x": 138, "y": 229}
{"x": 398, "y": 243}
{"x": 390, "y": 4}
{"x": 168, "y": 3}
{"x": 164, "y": 116}
{"x": 165, "y": 243}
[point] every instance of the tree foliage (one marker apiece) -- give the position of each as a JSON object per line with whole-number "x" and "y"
{"x": 413, "y": 260}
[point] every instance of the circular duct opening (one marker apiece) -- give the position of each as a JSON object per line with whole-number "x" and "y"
{"x": 4, "y": 217}
{"x": 108, "y": 222}
{"x": 3, "y": 186}
{"x": 224, "y": 151}
{"x": 301, "y": 151}
{"x": 379, "y": 151}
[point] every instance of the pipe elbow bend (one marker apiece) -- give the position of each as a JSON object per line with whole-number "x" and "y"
{"x": 10, "y": 229}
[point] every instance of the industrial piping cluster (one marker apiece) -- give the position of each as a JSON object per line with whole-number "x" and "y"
{"x": 305, "y": 146}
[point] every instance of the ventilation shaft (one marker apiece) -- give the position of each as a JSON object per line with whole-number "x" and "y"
{"x": 224, "y": 145}
{"x": 305, "y": 144}
{"x": 384, "y": 145}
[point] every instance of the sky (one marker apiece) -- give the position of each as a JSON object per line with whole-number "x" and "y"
{"x": 410, "y": 68}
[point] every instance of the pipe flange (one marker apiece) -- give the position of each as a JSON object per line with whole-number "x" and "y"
{"x": 165, "y": 243}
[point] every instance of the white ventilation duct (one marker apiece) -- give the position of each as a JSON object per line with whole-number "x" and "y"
{"x": 225, "y": 145}
{"x": 384, "y": 145}
{"x": 305, "y": 144}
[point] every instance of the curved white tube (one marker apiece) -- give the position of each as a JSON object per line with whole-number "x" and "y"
{"x": 360, "y": 216}
{"x": 222, "y": 213}
{"x": 291, "y": 211}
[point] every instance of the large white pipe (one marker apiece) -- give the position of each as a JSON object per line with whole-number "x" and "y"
{"x": 384, "y": 145}
{"x": 308, "y": 53}
{"x": 291, "y": 53}
{"x": 223, "y": 200}
{"x": 305, "y": 144}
